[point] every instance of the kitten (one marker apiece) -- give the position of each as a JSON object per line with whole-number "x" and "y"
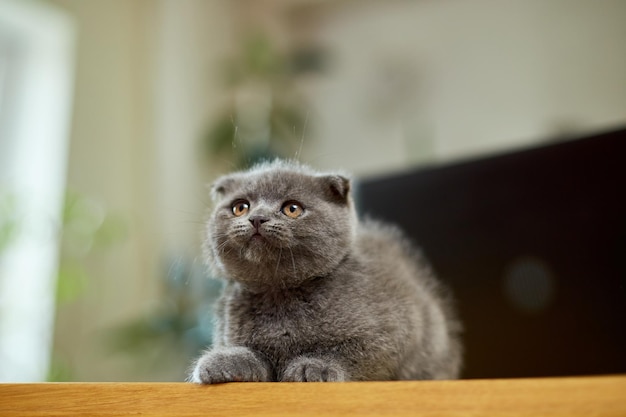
{"x": 312, "y": 294}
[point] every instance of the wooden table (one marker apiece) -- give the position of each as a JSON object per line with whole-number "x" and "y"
{"x": 576, "y": 396}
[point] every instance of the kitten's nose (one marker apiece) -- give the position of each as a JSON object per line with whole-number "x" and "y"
{"x": 258, "y": 221}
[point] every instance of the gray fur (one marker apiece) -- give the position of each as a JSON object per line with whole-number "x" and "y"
{"x": 322, "y": 297}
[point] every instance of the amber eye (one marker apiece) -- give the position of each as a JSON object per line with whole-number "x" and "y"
{"x": 240, "y": 207}
{"x": 292, "y": 209}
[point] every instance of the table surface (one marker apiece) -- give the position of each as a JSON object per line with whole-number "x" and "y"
{"x": 571, "y": 396}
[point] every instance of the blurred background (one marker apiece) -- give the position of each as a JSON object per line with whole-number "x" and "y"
{"x": 115, "y": 114}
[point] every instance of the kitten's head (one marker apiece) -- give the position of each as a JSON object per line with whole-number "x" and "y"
{"x": 279, "y": 224}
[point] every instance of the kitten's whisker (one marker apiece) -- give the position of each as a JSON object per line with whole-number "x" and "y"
{"x": 221, "y": 246}
{"x": 278, "y": 262}
{"x": 293, "y": 262}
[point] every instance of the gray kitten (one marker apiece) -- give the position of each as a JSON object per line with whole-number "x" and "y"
{"x": 312, "y": 294}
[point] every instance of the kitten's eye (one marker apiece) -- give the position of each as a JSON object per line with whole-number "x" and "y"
{"x": 240, "y": 207}
{"x": 292, "y": 209}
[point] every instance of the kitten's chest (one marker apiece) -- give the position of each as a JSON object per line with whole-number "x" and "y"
{"x": 276, "y": 324}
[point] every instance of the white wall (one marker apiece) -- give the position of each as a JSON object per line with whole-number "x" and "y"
{"x": 421, "y": 82}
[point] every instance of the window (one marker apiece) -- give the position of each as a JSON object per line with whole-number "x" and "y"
{"x": 36, "y": 75}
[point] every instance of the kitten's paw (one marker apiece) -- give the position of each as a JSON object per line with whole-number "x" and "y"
{"x": 306, "y": 369}
{"x": 231, "y": 364}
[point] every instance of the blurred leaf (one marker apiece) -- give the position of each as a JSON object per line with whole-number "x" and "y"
{"x": 135, "y": 335}
{"x": 86, "y": 228}
{"x": 112, "y": 230}
{"x": 71, "y": 281}
{"x": 287, "y": 124}
{"x": 86, "y": 222}
{"x": 60, "y": 370}
{"x": 260, "y": 58}
{"x": 221, "y": 138}
{"x": 79, "y": 209}
{"x": 309, "y": 59}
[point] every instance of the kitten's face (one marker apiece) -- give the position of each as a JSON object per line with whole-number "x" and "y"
{"x": 279, "y": 225}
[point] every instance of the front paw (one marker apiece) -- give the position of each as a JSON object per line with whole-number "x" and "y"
{"x": 231, "y": 364}
{"x": 306, "y": 369}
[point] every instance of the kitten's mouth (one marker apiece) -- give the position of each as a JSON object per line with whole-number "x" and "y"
{"x": 257, "y": 241}
{"x": 256, "y": 236}
{"x": 260, "y": 240}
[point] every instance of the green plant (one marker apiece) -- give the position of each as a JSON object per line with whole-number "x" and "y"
{"x": 265, "y": 115}
{"x": 180, "y": 327}
{"x": 86, "y": 227}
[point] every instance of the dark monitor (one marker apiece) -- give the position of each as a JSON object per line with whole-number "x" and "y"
{"x": 533, "y": 244}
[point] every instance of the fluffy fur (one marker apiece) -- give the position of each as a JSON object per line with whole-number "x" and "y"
{"x": 320, "y": 296}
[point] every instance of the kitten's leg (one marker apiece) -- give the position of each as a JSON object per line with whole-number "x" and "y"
{"x": 230, "y": 364}
{"x": 313, "y": 369}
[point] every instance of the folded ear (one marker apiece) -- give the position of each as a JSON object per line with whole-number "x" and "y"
{"x": 221, "y": 187}
{"x": 337, "y": 187}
